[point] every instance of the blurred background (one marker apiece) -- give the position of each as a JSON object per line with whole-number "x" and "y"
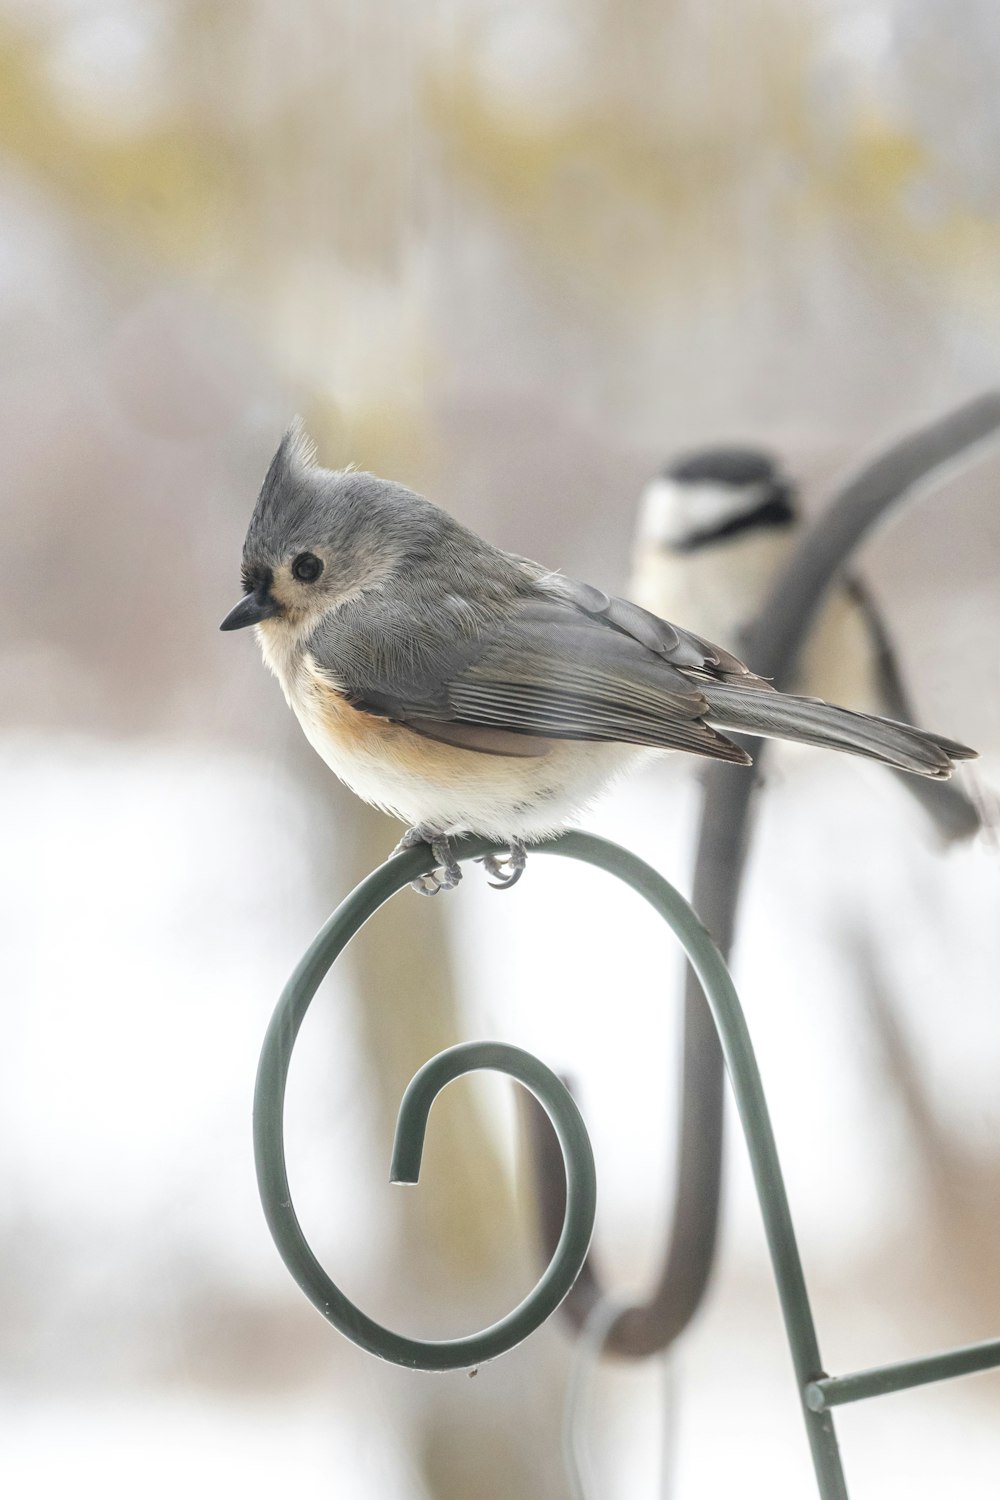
{"x": 515, "y": 255}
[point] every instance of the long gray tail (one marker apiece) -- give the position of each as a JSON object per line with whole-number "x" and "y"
{"x": 810, "y": 721}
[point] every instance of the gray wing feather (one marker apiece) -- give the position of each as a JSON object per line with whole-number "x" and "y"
{"x": 679, "y": 647}
{"x": 567, "y": 664}
{"x": 810, "y": 721}
{"x": 550, "y": 659}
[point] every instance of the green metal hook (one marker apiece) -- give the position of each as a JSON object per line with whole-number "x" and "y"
{"x": 272, "y": 1177}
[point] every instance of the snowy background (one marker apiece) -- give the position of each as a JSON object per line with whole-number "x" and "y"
{"x": 515, "y": 255}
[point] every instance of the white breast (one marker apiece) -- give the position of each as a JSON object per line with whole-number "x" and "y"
{"x": 420, "y": 780}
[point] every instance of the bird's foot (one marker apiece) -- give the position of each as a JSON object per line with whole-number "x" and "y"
{"x": 446, "y": 874}
{"x": 507, "y": 866}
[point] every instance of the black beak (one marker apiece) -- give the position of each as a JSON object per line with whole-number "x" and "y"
{"x": 251, "y": 609}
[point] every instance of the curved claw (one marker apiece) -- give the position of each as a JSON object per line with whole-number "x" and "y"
{"x": 507, "y": 867}
{"x": 505, "y": 883}
{"x": 444, "y": 877}
{"x": 446, "y": 874}
{"x": 448, "y": 871}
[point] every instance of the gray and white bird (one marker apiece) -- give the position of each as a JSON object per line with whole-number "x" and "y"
{"x": 468, "y": 690}
{"x": 714, "y": 530}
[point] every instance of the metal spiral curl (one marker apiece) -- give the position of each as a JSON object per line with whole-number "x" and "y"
{"x": 571, "y": 1250}
{"x": 411, "y": 1124}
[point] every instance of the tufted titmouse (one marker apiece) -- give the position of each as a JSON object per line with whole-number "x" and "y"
{"x": 465, "y": 689}
{"x": 714, "y": 530}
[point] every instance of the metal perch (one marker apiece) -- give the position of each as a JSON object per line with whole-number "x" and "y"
{"x": 818, "y": 1392}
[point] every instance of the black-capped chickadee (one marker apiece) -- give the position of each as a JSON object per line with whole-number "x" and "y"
{"x": 713, "y": 532}
{"x": 467, "y": 690}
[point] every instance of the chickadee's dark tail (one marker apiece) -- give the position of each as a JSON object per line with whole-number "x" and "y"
{"x": 810, "y": 721}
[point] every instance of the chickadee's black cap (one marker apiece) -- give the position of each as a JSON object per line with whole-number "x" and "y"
{"x": 730, "y": 466}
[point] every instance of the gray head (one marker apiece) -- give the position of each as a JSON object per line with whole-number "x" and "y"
{"x": 715, "y": 495}
{"x": 318, "y": 537}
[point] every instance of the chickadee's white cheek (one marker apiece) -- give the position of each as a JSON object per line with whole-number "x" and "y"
{"x": 671, "y": 513}
{"x": 660, "y": 512}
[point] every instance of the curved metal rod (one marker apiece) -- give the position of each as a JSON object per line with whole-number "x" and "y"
{"x": 727, "y": 1014}
{"x": 773, "y": 646}
{"x": 269, "y": 1151}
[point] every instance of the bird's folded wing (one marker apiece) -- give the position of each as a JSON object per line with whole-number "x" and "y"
{"x": 572, "y": 665}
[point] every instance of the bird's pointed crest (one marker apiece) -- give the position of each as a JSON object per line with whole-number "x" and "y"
{"x": 296, "y": 452}
{"x": 286, "y": 491}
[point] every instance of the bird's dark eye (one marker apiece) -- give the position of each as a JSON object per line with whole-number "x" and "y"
{"x": 307, "y": 567}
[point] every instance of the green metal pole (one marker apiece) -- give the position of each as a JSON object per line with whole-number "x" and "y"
{"x": 746, "y": 1083}
{"x": 883, "y": 1380}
